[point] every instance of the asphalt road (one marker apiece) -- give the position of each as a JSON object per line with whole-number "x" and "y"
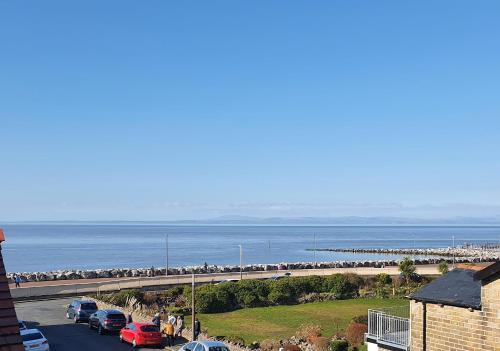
{"x": 50, "y": 317}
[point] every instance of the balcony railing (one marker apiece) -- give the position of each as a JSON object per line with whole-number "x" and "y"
{"x": 388, "y": 328}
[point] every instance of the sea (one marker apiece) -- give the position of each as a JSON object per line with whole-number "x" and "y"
{"x": 47, "y": 247}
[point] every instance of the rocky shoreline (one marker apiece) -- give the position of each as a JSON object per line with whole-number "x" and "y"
{"x": 76, "y": 274}
{"x": 484, "y": 253}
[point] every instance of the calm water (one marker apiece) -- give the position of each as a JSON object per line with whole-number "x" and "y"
{"x": 50, "y": 247}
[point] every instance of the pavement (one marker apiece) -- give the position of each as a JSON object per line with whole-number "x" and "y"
{"x": 49, "y": 316}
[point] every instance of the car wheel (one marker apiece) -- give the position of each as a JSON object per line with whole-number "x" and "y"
{"x": 100, "y": 330}
{"x": 121, "y": 338}
{"x": 90, "y": 325}
{"x": 67, "y": 315}
{"x": 134, "y": 344}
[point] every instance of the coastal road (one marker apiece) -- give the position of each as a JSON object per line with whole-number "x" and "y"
{"x": 90, "y": 286}
{"x": 63, "y": 334}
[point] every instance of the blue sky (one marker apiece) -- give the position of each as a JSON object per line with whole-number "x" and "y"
{"x": 166, "y": 110}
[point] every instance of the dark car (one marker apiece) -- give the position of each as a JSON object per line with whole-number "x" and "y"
{"x": 107, "y": 321}
{"x": 80, "y": 310}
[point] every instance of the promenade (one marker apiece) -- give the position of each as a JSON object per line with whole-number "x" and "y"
{"x": 33, "y": 290}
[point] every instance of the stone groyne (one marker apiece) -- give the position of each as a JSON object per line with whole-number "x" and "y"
{"x": 206, "y": 269}
{"x": 484, "y": 253}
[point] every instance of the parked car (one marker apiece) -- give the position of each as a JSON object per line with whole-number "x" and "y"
{"x": 227, "y": 281}
{"x": 34, "y": 340}
{"x": 107, "y": 321}
{"x": 205, "y": 346}
{"x": 80, "y": 310}
{"x": 141, "y": 334}
{"x": 22, "y": 325}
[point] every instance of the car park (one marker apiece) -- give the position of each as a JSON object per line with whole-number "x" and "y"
{"x": 227, "y": 281}
{"x": 34, "y": 340}
{"x": 80, "y": 310}
{"x": 141, "y": 334}
{"x": 107, "y": 321}
{"x": 204, "y": 346}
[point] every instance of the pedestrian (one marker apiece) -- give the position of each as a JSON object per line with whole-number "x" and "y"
{"x": 129, "y": 318}
{"x": 17, "y": 280}
{"x": 172, "y": 319}
{"x": 179, "y": 326}
{"x": 197, "y": 328}
{"x": 152, "y": 271}
{"x": 168, "y": 330}
{"x": 157, "y": 320}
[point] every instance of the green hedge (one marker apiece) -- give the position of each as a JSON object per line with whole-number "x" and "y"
{"x": 252, "y": 293}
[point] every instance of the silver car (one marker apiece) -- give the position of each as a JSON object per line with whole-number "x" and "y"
{"x": 204, "y": 346}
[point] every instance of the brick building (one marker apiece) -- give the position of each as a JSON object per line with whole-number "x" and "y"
{"x": 10, "y": 340}
{"x": 458, "y": 311}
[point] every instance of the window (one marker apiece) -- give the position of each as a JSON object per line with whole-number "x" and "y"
{"x": 32, "y": 336}
{"x": 88, "y": 306}
{"x": 190, "y": 346}
{"x": 199, "y": 347}
{"x": 131, "y": 327}
{"x": 149, "y": 328}
{"x": 116, "y": 316}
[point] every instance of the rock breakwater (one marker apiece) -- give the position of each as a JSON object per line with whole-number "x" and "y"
{"x": 207, "y": 269}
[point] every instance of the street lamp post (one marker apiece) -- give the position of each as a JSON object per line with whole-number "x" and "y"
{"x": 241, "y": 262}
{"x": 193, "y": 313}
{"x": 315, "y": 263}
{"x": 166, "y": 255}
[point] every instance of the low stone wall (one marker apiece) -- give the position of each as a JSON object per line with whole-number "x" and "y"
{"x": 151, "y": 272}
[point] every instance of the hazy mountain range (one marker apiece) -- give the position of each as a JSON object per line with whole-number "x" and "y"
{"x": 347, "y": 220}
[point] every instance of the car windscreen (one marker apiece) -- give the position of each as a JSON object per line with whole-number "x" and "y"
{"x": 149, "y": 328}
{"x": 218, "y": 348}
{"x": 32, "y": 336}
{"x": 89, "y": 306}
{"x": 116, "y": 316}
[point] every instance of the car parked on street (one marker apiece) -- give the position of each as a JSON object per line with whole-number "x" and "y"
{"x": 107, "y": 321}
{"x": 80, "y": 310}
{"x": 22, "y": 325}
{"x": 141, "y": 334}
{"x": 205, "y": 346}
{"x": 34, "y": 340}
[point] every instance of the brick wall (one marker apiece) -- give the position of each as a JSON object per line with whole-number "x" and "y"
{"x": 454, "y": 328}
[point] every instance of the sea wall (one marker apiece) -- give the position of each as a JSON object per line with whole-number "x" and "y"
{"x": 151, "y": 272}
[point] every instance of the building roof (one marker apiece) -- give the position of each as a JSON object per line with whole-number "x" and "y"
{"x": 488, "y": 272}
{"x": 455, "y": 288}
{"x": 10, "y": 339}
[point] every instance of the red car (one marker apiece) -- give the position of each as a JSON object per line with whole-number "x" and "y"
{"x": 141, "y": 334}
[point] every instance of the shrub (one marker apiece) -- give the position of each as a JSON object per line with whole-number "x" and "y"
{"x": 291, "y": 347}
{"x": 237, "y": 340}
{"x": 407, "y": 269}
{"x": 443, "y": 267}
{"x": 340, "y": 285}
{"x": 321, "y": 343}
{"x": 251, "y": 293}
{"x": 282, "y": 292}
{"x": 362, "y": 319}
{"x": 355, "y": 333}
{"x": 122, "y": 298}
{"x": 308, "y": 332}
{"x": 212, "y": 299}
{"x": 383, "y": 279}
{"x": 339, "y": 345}
{"x": 269, "y": 345}
{"x": 317, "y": 297}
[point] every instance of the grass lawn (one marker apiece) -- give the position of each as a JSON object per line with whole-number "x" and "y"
{"x": 281, "y": 322}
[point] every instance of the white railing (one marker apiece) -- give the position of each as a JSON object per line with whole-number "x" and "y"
{"x": 389, "y": 329}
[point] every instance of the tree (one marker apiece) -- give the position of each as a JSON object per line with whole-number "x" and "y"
{"x": 443, "y": 267}
{"x": 407, "y": 268}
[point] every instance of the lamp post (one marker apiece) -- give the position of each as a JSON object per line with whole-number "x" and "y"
{"x": 314, "y": 250}
{"x": 166, "y": 255}
{"x": 241, "y": 262}
{"x": 193, "y": 313}
{"x": 453, "y": 238}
